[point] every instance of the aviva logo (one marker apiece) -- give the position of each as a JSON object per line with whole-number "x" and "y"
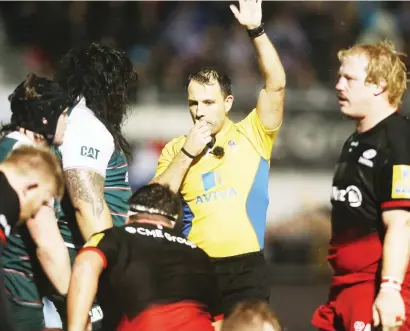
{"x": 217, "y": 195}
{"x": 209, "y": 181}
{"x": 90, "y": 152}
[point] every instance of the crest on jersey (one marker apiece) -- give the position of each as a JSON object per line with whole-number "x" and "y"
{"x": 401, "y": 182}
{"x": 361, "y": 326}
{"x": 367, "y": 156}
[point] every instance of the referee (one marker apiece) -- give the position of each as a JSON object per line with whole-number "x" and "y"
{"x": 148, "y": 276}
{"x": 221, "y": 168}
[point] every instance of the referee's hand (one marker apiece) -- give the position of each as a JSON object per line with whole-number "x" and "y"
{"x": 197, "y": 138}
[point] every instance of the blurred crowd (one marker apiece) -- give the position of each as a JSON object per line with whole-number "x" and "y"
{"x": 167, "y": 40}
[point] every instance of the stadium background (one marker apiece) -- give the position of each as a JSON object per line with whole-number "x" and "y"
{"x": 166, "y": 40}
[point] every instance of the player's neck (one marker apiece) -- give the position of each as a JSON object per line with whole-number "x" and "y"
{"x": 34, "y": 137}
{"x": 374, "y": 118}
{"x": 155, "y": 222}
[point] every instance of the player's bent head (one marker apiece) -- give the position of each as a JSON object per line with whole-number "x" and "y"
{"x": 40, "y": 107}
{"x": 385, "y": 68}
{"x": 251, "y": 315}
{"x": 38, "y": 177}
{"x": 156, "y": 199}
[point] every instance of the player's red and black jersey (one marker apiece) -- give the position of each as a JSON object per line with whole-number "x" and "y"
{"x": 371, "y": 176}
{"x": 147, "y": 265}
{"x": 9, "y": 208}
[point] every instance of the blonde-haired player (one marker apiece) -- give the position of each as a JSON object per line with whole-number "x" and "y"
{"x": 29, "y": 178}
{"x": 369, "y": 249}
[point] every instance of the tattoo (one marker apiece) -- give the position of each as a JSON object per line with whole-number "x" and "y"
{"x": 87, "y": 186}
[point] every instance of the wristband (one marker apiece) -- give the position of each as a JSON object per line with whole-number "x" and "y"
{"x": 390, "y": 283}
{"x": 183, "y": 150}
{"x": 254, "y": 33}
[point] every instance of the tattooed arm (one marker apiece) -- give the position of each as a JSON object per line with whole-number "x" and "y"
{"x": 86, "y": 190}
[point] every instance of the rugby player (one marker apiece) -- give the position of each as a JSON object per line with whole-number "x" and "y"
{"x": 148, "y": 276}
{"x": 29, "y": 178}
{"x": 93, "y": 153}
{"x": 221, "y": 168}
{"x": 39, "y": 116}
{"x": 369, "y": 248}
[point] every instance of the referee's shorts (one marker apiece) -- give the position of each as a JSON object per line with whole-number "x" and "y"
{"x": 242, "y": 277}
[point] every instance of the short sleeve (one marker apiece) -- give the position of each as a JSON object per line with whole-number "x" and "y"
{"x": 261, "y": 138}
{"x": 394, "y": 176}
{"x": 87, "y": 143}
{"x": 105, "y": 244}
{"x": 167, "y": 155}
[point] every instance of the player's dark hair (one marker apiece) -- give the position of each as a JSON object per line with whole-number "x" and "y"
{"x": 105, "y": 77}
{"x": 207, "y": 76}
{"x": 159, "y": 197}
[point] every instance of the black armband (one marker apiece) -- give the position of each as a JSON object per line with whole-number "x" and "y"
{"x": 254, "y": 33}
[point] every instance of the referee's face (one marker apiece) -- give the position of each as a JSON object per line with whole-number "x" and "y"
{"x": 354, "y": 93}
{"x": 207, "y": 102}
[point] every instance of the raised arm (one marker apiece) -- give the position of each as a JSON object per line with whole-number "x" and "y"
{"x": 271, "y": 98}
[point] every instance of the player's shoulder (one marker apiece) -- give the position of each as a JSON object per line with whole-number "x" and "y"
{"x": 397, "y": 129}
{"x": 397, "y": 123}
{"x": 96, "y": 238}
{"x": 83, "y": 121}
{"x": 16, "y": 139}
{"x": 396, "y": 133}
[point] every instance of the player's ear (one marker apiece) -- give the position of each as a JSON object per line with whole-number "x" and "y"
{"x": 379, "y": 88}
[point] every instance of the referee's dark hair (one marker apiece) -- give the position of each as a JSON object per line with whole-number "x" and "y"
{"x": 207, "y": 76}
{"x": 157, "y": 199}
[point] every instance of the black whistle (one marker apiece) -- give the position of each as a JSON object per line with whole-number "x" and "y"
{"x": 211, "y": 144}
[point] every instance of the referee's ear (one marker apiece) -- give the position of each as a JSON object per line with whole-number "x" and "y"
{"x": 228, "y": 103}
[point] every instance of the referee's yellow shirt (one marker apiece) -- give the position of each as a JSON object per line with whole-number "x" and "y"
{"x": 226, "y": 199}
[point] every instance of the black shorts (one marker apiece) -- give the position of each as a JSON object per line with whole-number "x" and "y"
{"x": 242, "y": 277}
